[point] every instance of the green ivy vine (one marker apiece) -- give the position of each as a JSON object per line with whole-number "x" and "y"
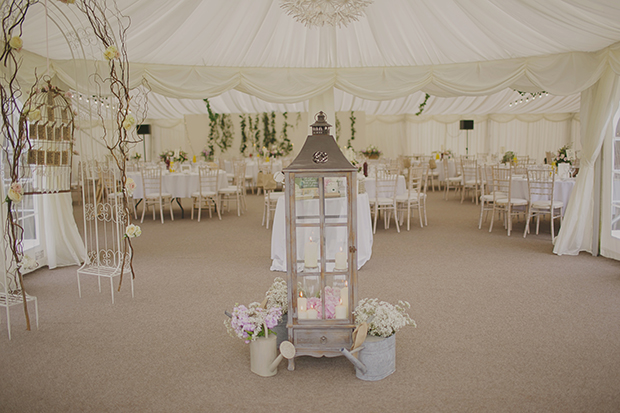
{"x": 221, "y": 131}
{"x": 422, "y": 105}
{"x": 337, "y": 129}
{"x": 244, "y": 137}
{"x": 286, "y": 146}
{"x": 350, "y": 141}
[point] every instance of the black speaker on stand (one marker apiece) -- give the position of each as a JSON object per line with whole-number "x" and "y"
{"x": 144, "y": 130}
{"x": 467, "y": 125}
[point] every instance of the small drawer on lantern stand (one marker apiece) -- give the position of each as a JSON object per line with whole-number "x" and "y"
{"x": 323, "y": 338}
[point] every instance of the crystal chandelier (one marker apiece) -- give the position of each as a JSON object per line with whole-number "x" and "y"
{"x": 321, "y": 12}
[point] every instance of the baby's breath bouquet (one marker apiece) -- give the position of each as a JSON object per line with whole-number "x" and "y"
{"x": 249, "y": 323}
{"x": 384, "y": 319}
{"x": 277, "y": 295}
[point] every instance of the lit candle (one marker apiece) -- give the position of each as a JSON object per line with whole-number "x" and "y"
{"x": 341, "y": 311}
{"x": 302, "y": 305}
{"x": 344, "y": 296}
{"x": 312, "y": 314}
{"x": 311, "y": 254}
{"x": 341, "y": 260}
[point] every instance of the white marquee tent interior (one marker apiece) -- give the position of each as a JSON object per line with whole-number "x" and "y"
{"x": 471, "y": 57}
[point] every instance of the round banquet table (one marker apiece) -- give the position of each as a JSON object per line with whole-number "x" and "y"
{"x": 178, "y": 184}
{"x": 370, "y": 185}
{"x": 364, "y": 232}
{"x": 561, "y": 189}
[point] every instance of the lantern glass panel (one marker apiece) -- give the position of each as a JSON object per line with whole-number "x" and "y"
{"x": 317, "y": 302}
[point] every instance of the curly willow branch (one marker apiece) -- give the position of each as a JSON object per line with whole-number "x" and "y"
{"x": 13, "y": 15}
{"x": 97, "y": 13}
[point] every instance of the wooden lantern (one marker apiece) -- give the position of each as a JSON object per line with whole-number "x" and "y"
{"x": 321, "y": 240}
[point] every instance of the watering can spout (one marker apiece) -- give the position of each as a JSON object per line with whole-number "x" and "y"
{"x": 358, "y": 364}
{"x": 287, "y": 350}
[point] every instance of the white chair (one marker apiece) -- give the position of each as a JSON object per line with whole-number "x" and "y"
{"x": 271, "y": 197}
{"x": 486, "y": 192}
{"x": 235, "y": 192}
{"x": 471, "y": 179}
{"x": 450, "y": 182}
{"x": 207, "y": 194}
{"x": 432, "y": 173}
{"x": 540, "y": 184}
{"x": 502, "y": 197}
{"x": 415, "y": 197}
{"x": 385, "y": 198}
{"x": 153, "y": 195}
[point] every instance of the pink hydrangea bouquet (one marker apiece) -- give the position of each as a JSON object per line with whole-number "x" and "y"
{"x": 332, "y": 299}
{"x": 249, "y": 322}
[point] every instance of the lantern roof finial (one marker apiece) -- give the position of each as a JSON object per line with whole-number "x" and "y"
{"x": 320, "y": 126}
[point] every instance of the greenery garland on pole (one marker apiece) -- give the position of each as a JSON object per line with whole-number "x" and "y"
{"x": 255, "y": 133}
{"x": 350, "y": 141}
{"x": 286, "y": 146}
{"x": 220, "y": 130}
{"x": 244, "y": 137}
{"x": 337, "y": 129}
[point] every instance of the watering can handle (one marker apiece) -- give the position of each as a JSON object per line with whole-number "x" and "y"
{"x": 227, "y": 313}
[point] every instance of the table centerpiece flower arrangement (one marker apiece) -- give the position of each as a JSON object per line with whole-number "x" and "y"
{"x": 383, "y": 319}
{"x": 207, "y": 154}
{"x": 509, "y": 157}
{"x": 564, "y": 155}
{"x": 180, "y": 156}
{"x": 136, "y": 156}
{"x": 371, "y": 152}
{"x": 351, "y": 156}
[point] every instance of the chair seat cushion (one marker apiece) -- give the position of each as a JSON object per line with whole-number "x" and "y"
{"x": 157, "y": 195}
{"x": 486, "y": 198}
{"x": 382, "y": 201}
{"x": 547, "y": 204}
{"x": 204, "y": 194}
{"x": 412, "y": 196}
{"x": 229, "y": 190}
{"x": 513, "y": 201}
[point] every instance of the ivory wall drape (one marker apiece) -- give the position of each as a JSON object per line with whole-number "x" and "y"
{"x": 599, "y": 103}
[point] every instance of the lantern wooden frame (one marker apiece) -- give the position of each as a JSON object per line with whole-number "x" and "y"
{"x": 321, "y": 159}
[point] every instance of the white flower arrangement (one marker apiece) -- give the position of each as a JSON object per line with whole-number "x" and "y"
{"x": 15, "y": 193}
{"x": 277, "y": 295}
{"x": 111, "y": 53}
{"x": 16, "y": 43}
{"x": 27, "y": 263}
{"x": 132, "y": 231}
{"x": 129, "y": 121}
{"x": 384, "y": 319}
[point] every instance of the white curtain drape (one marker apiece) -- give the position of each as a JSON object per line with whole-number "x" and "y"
{"x": 59, "y": 235}
{"x": 598, "y": 105}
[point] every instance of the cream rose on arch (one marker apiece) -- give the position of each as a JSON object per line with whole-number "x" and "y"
{"x": 16, "y": 43}
{"x": 16, "y": 192}
{"x": 129, "y": 121}
{"x": 133, "y": 231}
{"x": 130, "y": 186}
{"x": 111, "y": 53}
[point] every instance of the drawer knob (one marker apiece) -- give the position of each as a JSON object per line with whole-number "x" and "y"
{"x": 323, "y": 340}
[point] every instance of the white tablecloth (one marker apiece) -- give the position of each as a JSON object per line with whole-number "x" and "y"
{"x": 370, "y": 184}
{"x": 179, "y": 184}
{"x": 364, "y": 233}
{"x": 561, "y": 189}
{"x": 451, "y": 168}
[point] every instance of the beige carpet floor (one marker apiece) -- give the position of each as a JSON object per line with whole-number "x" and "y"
{"x": 504, "y": 325}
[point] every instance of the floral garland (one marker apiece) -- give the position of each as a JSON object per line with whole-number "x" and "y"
{"x": 352, "y": 118}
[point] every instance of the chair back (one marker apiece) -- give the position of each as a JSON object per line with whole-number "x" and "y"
{"x": 208, "y": 179}
{"x": 239, "y": 174}
{"x": 385, "y": 184}
{"x": 540, "y": 183}
{"x": 469, "y": 170}
{"x": 151, "y": 181}
{"x": 417, "y": 178}
{"x": 502, "y": 179}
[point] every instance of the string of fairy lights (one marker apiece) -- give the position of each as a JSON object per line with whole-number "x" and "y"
{"x": 528, "y": 97}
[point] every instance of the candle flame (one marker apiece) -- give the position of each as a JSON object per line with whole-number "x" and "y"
{"x": 346, "y": 283}
{"x": 340, "y": 301}
{"x": 301, "y": 294}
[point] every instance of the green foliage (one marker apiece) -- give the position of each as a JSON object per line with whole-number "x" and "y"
{"x": 337, "y": 129}
{"x": 221, "y": 131}
{"x": 244, "y": 137}
{"x": 353, "y": 119}
{"x": 285, "y": 145}
{"x": 422, "y": 105}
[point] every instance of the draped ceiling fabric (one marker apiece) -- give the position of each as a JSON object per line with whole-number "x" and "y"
{"x": 467, "y": 54}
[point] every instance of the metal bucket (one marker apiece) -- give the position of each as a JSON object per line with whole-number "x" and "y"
{"x": 281, "y": 330}
{"x": 379, "y": 357}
